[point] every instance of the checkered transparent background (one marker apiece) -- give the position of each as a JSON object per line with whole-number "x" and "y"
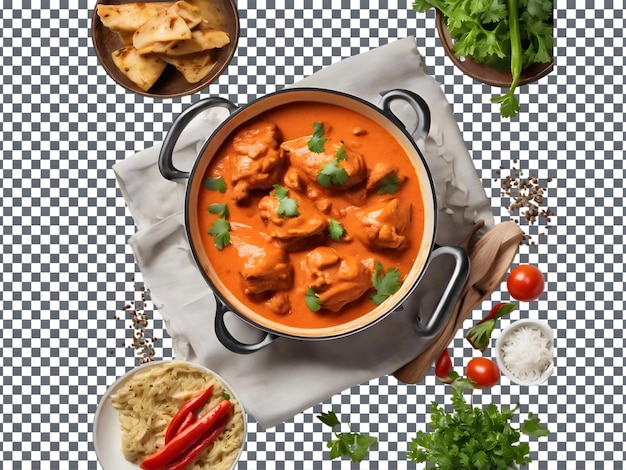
{"x": 67, "y": 271}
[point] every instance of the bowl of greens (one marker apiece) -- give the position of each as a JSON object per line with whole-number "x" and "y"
{"x": 504, "y": 43}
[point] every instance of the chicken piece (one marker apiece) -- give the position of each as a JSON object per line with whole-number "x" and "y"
{"x": 381, "y": 171}
{"x": 337, "y": 280}
{"x": 383, "y": 224}
{"x": 309, "y": 164}
{"x": 266, "y": 268}
{"x": 293, "y": 232}
{"x": 279, "y": 303}
{"x": 258, "y": 162}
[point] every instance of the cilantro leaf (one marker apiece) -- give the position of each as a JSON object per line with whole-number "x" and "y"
{"x": 509, "y": 106}
{"x": 317, "y": 140}
{"x": 390, "y": 184}
{"x": 287, "y": 207}
{"x": 219, "y": 209}
{"x": 532, "y": 427}
{"x": 220, "y": 231}
{"x": 329, "y": 418}
{"x": 341, "y": 154}
{"x": 225, "y": 395}
{"x": 350, "y": 444}
{"x": 215, "y": 184}
{"x": 332, "y": 174}
{"x": 384, "y": 283}
{"x": 313, "y": 300}
{"x": 336, "y": 230}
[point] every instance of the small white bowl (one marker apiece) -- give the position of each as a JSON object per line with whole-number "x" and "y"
{"x": 107, "y": 433}
{"x": 545, "y": 329}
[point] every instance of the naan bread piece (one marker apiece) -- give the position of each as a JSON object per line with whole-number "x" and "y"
{"x": 129, "y": 16}
{"x": 201, "y": 40}
{"x": 126, "y": 37}
{"x": 166, "y": 25}
{"x": 188, "y": 12}
{"x": 194, "y": 67}
{"x": 142, "y": 69}
{"x": 212, "y": 15}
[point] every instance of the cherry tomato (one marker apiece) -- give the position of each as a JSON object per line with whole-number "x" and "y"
{"x": 484, "y": 372}
{"x": 525, "y": 283}
{"x": 443, "y": 367}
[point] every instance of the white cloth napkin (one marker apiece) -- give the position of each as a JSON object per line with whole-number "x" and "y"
{"x": 289, "y": 375}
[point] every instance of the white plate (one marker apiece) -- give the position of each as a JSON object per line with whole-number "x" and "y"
{"x": 107, "y": 432}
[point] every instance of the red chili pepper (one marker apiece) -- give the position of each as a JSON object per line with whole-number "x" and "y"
{"x": 480, "y": 334}
{"x": 186, "y": 439}
{"x": 200, "y": 446}
{"x": 190, "y": 418}
{"x": 190, "y": 405}
{"x": 443, "y": 367}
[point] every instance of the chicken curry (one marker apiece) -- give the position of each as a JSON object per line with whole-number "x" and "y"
{"x": 311, "y": 214}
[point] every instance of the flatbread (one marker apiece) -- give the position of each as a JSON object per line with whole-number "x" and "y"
{"x": 201, "y": 40}
{"x": 142, "y": 69}
{"x": 166, "y": 25}
{"x": 188, "y": 12}
{"x": 129, "y": 16}
{"x": 194, "y": 67}
{"x": 126, "y": 37}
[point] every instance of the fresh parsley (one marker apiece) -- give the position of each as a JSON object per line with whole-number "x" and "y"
{"x": 287, "y": 207}
{"x": 351, "y": 444}
{"x": 219, "y": 209}
{"x": 473, "y": 438}
{"x": 220, "y": 231}
{"x": 332, "y": 173}
{"x": 215, "y": 184}
{"x": 225, "y": 395}
{"x": 384, "y": 283}
{"x": 317, "y": 140}
{"x": 336, "y": 230}
{"x": 390, "y": 184}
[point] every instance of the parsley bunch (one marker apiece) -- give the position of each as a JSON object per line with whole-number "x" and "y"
{"x": 472, "y": 438}
{"x": 505, "y": 34}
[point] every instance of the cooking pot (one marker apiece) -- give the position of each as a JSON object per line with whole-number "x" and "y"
{"x": 384, "y": 116}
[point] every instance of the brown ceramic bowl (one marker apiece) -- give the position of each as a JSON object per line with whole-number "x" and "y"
{"x": 484, "y": 73}
{"x": 171, "y": 83}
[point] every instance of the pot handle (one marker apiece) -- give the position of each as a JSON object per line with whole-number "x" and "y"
{"x": 450, "y": 294}
{"x": 416, "y": 102}
{"x": 229, "y": 341}
{"x": 166, "y": 166}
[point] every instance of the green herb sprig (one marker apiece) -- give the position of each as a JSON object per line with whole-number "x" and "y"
{"x": 390, "y": 184}
{"x": 336, "y": 231}
{"x": 350, "y": 444}
{"x": 220, "y": 229}
{"x": 313, "y": 300}
{"x": 215, "y": 184}
{"x": 385, "y": 283}
{"x": 332, "y": 173}
{"x": 287, "y": 206}
{"x": 317, "y": 141}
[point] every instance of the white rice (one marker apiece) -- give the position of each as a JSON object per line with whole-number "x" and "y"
{"x": 526, "y": 353}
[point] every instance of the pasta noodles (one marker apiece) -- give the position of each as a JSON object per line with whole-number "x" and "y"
{"x": 148, "y": 400}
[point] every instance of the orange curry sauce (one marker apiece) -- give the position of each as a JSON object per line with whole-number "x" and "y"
{"x": 360, "y": 135}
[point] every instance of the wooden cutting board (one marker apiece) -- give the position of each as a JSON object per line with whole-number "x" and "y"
{"x": 490, "y": 259}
